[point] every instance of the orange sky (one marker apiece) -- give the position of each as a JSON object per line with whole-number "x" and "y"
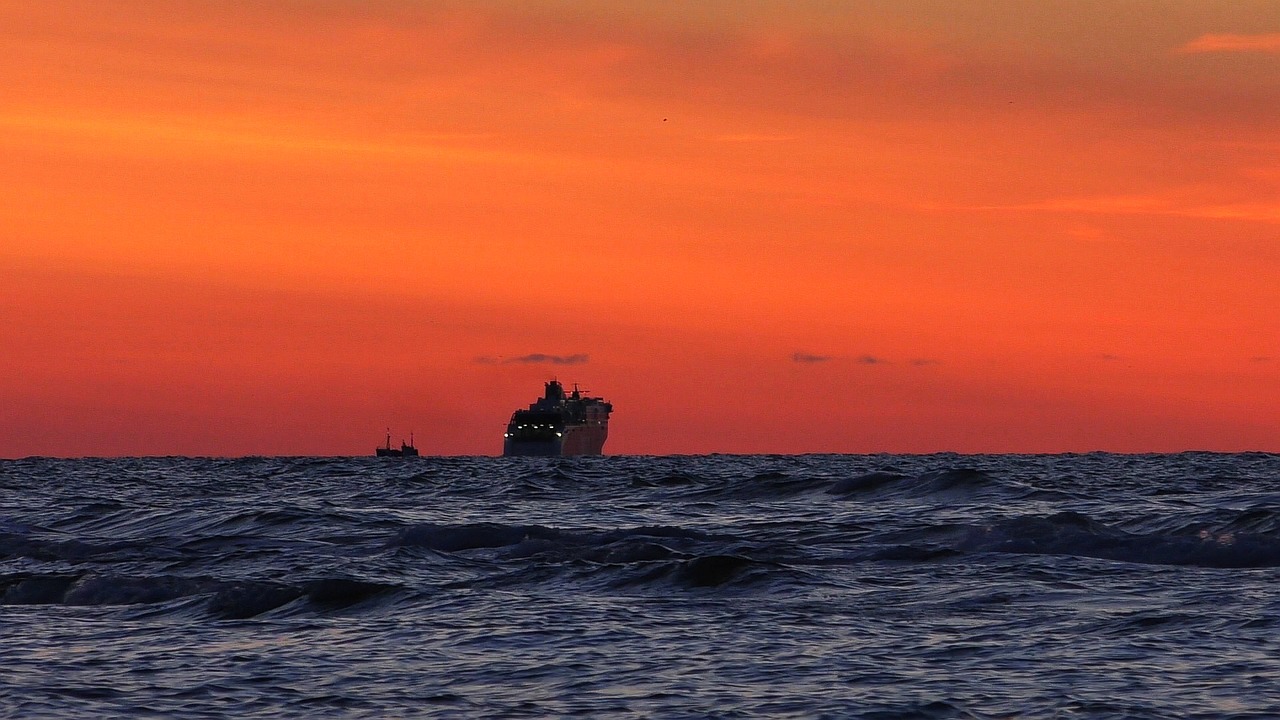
{"x": 278, "y": 228}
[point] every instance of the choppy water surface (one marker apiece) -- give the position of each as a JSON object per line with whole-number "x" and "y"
{"x": 722, "y": 586}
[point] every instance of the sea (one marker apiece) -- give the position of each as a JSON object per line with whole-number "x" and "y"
{"x": 717, "y": 586}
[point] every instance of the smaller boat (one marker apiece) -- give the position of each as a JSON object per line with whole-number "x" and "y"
{"x": 404, "y": 451}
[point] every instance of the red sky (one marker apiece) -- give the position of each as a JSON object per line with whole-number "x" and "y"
{"x": 278, "y": 228}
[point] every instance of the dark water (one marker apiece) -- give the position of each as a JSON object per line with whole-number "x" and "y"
{"x": 762, "y": 586}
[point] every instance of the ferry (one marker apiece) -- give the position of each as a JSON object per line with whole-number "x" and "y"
{"x": 559, "y": 425}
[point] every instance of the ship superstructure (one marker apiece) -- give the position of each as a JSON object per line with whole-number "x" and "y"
{"x": 559, "y": 424}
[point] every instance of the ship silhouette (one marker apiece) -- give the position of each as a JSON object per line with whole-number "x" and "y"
{"x": 403, "y": 451}
{"x": 559, "y": 425}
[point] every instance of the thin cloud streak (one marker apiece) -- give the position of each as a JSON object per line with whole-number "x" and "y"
{"x": 755, "y": 138}
{"x": 536, "y": 359}
{"x": 811, "y": 359}
{"x": 1232, "y": 43}
{"x": 1131, "y": 205}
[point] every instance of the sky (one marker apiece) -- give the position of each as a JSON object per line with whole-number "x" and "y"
{"x": 243, "y": 228}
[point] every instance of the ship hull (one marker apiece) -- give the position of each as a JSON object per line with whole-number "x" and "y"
{"x": 392, "y": 452}
{"x": 574, "y": 441}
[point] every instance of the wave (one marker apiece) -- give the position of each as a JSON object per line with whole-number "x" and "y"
{"x": 504, "y": 587}
{"x": 529, "y": 540}
{"x": 225, "y": 599}
{"x": 668, "y": 480}
{"x": 716, "y": 571}
{"x": 631, "y": 558}
{"x": 1074, "y": 534}
{"x": 1256, "y": 520}
{"x": 68, "y": 549}
{"x": 949, "y": 484}
{"x": 870, "y": 482}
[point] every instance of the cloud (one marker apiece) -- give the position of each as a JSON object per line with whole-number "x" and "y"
{"x": 1099, "y": 204}
{"x": 535, "y": 359}
{"x": 1232, "y": 43}
{"x": 1256, "y": 212}
{"x": 1155, "y": 205}
{"x": 754, "y": 138}
{"x": 808, "y": 358}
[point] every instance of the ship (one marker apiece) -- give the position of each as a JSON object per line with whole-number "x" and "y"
{"x": 404, "y": 450}
{"x": 559, "y": 425}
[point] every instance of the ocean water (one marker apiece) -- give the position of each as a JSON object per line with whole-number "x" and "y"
{"x": 878, "y": 586}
